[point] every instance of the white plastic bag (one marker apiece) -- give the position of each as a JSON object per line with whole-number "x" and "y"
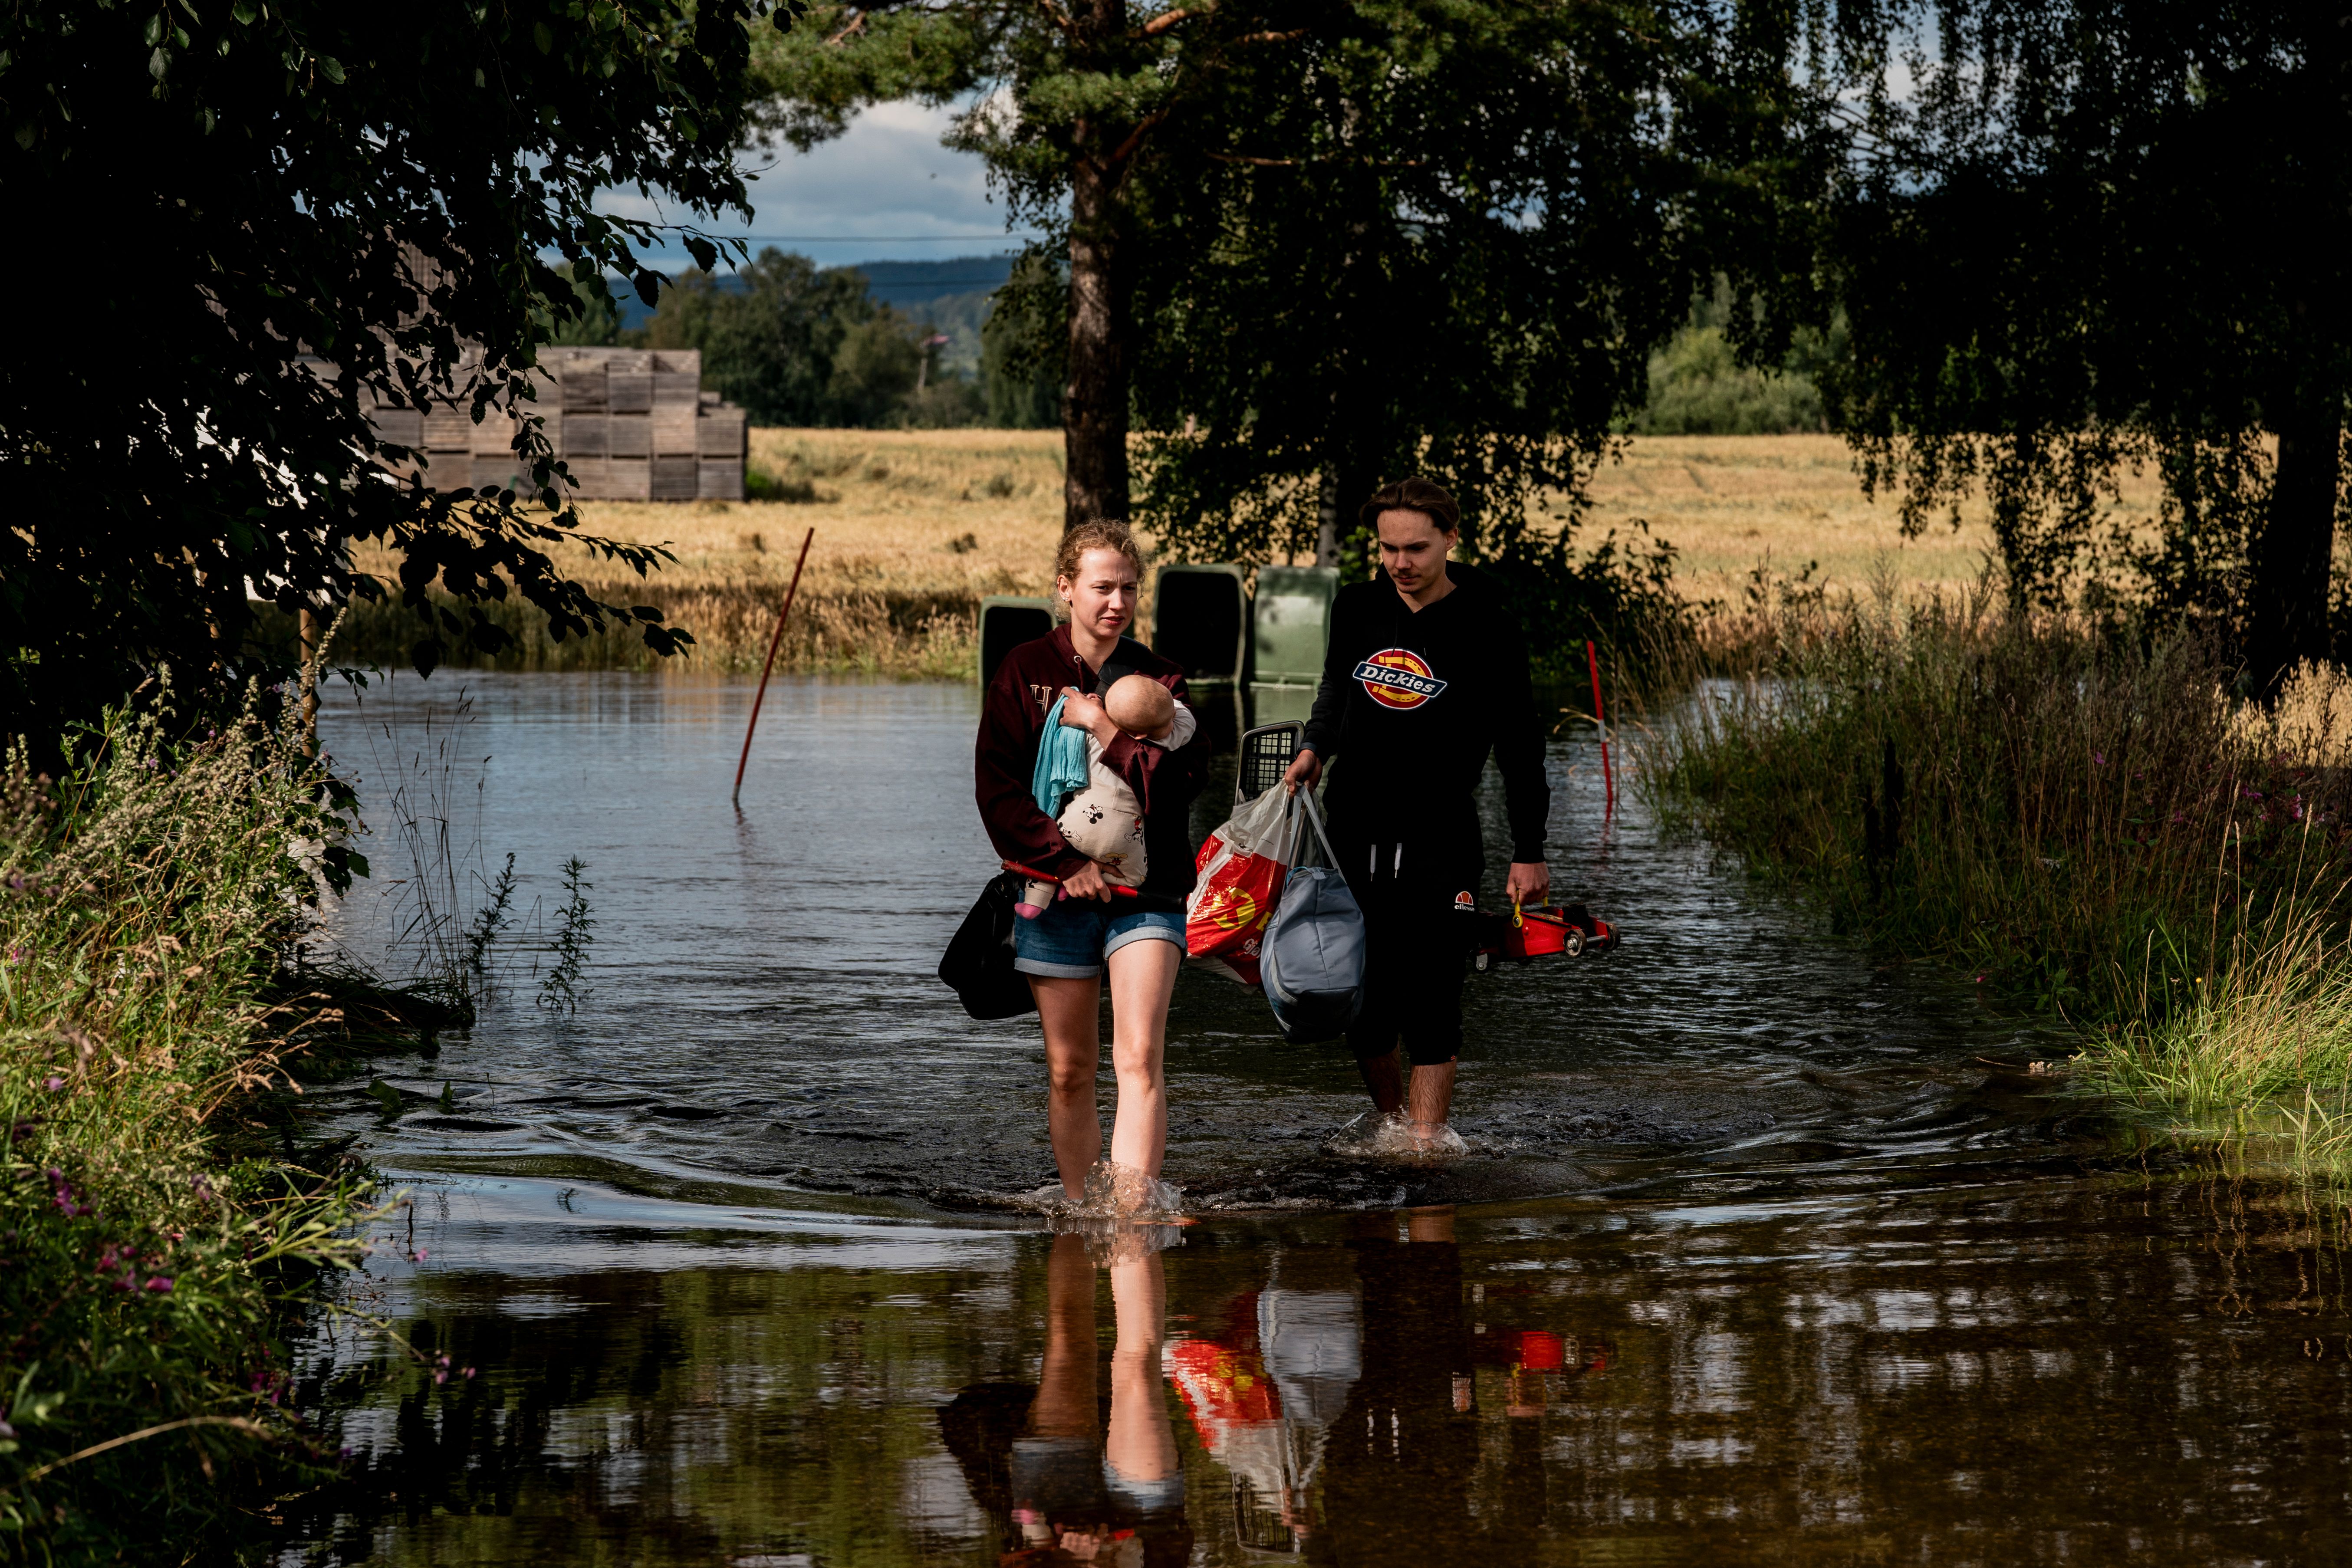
{"x": 1239, "y": 875}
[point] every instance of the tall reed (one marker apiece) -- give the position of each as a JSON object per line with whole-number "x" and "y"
{"x": 148, "y": 1243}
{"x": 2085, "y": 818}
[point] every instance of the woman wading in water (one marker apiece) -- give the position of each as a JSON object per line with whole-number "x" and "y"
{"x": 1140, "y": 940}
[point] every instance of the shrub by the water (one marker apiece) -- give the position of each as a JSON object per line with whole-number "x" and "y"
{"x": 2085, "y": 819}
{"x": 150, "y": 1242}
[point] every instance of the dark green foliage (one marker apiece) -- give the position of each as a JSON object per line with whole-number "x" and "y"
{"x": 799, "y": 346}
{"x": 2076, "y": 817}
{"x": 598, "y": 322}
{"x": 157, "y": 1219}
{"x": 1022, "y": 346}
{"x": 2073, "y": 237}
{"x": 1698, "y": 387}
{"x": 1434, "y": 242}
{"x": 771, "y": 344}
{"x": 376, "y": 185}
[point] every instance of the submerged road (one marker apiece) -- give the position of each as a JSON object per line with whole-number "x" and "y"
{"x": 1759, "y": 1254}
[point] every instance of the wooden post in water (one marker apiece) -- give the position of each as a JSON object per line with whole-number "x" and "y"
{"x": 775, "y": 643}
{"x": 1601, "y": 722}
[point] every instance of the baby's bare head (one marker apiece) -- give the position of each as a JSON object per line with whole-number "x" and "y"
{"x": 1140, "y": 706}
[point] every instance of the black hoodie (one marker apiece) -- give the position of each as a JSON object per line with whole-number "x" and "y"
{"x": 1411, "y": 702}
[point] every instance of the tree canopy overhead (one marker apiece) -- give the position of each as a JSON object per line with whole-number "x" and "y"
{"x": 1434, "y": 238}
{"x": 285, "y": 182}
{"x": 2078, "y": 235}
{"x": 1314, "y": 244}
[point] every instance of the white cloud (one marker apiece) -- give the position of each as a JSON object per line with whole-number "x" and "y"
{"x": 886, "y": 187}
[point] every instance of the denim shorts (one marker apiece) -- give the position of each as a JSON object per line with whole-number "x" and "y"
{"x": 1072, "y": 938}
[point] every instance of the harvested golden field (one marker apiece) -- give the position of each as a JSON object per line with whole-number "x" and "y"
{"x": 913, "y": 527}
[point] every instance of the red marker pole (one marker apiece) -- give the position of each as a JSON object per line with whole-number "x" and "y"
{"x": 1601, "y": 722}
{"x": 775, "y": 643}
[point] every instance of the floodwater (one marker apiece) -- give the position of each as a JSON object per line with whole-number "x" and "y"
{"x": 1762, "y": 1253}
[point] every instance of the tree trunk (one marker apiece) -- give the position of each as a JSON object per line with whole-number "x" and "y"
{"x": 1346, "y": 485}
{"x": 1330, "y": 526}
{"x": 1093, "y": 399}
{"x": 2291, "y": 563}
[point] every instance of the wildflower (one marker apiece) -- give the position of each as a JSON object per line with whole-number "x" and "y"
{"x": 2100, "y": 758}
{"x": 159, "y": 1285}
{"x": 439, "y": 1378}
{"x": 2248, "y": 791}
{"x": 470, "y": 1372}
{"x": 55, "y": 1083}
{"x": 420, "y": 1254}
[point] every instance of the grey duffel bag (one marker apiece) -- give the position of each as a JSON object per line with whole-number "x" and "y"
{"x": 1312, "y": 955}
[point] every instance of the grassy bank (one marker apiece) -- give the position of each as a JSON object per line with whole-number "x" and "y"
{"x": 2085, "y": 822}
{"x": 157, "y": 1221}
{"x": 913, "y": 527}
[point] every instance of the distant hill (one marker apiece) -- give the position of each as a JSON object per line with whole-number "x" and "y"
{"x": 950, "y": 295}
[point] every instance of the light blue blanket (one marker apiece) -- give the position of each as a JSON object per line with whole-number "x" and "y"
{"x": 1061, "y": 769}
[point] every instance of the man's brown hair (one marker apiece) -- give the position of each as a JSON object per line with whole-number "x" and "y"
{"x": 1414, "y": 495}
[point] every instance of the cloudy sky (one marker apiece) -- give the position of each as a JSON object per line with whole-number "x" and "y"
{"x": 887, "y": 190}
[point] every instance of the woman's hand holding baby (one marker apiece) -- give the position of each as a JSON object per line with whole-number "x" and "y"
{"x": 1080, "y": 712}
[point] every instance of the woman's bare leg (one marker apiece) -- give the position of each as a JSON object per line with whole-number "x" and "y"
{"x": 1143, "y": 976}
{"x": 1142, "y": 1445}
{"x": 1069, "y": 1009}
{"x": 1064, "y": 1405}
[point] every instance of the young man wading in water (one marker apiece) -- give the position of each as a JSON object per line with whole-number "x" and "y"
{"x": 1427, "y": 673}
{"x": 1140, "y": 940}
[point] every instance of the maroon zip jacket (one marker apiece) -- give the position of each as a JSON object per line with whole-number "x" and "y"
{"x": 1012, "y": 717}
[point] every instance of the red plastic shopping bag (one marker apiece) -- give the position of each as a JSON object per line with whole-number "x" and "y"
{"x": 1239, "y": 882}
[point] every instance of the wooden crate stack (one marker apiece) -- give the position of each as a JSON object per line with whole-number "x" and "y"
{"x": 630, "y": 424}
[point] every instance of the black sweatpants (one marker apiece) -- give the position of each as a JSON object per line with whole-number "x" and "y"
{"x": 1412, "y": 946}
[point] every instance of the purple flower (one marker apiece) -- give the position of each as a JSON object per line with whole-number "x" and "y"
{"x": 2100, "y": 758}
{"x": 420, "y": 1254}
{"x": 161, "y": 1286}
{"x": 439, "y": 1378}
{"x": 2248, "y": 791}
{"x": 55, "y": 1083}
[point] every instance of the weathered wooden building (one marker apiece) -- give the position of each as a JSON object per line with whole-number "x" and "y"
{"x": 630, "y": 424}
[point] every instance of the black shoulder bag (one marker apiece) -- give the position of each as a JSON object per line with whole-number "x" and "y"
{"x": 978, "y": 965}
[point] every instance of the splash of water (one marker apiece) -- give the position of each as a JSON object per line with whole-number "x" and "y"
{"x": 1392, "y": 1135}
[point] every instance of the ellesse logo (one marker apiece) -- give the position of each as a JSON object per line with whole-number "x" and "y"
{"x": 1399, "y": 677}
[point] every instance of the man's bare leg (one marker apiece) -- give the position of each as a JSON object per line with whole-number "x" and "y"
{"x": 1384, "y": 1077}
{"x": 1431, "y": 1098}
{"x": 1069, "y": 1010}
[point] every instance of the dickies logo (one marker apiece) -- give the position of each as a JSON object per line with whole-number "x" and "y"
{"x": 1399, "y": 677}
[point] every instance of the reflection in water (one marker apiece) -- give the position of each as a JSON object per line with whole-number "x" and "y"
{"x": 2116, "y": 1370}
